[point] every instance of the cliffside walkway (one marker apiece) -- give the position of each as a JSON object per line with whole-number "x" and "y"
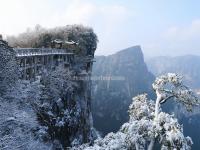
{"x": 33, "y": 61}
{"x": 23, "y": 52}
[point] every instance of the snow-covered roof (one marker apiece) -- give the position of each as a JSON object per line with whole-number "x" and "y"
{"x": 71, "y": 42}
{"x": 58, "y": 41}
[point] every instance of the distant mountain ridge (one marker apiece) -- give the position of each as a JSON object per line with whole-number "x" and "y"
{"x": 112, "y": 98}
{"x": 188, "y": 66}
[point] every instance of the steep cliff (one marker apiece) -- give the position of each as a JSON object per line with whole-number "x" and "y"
{"x": 55, "y": 107}
{"x": 64, "y": 105}
{"x": 111, "y": 98}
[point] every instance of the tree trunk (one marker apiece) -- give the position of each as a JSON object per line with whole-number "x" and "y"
{"x": 151, "y": 145}
{"x": 137, "y": 146}
{"x": 157, "y": 106}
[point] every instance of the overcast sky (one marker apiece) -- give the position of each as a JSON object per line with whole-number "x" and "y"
{"x": 161, "y": 27}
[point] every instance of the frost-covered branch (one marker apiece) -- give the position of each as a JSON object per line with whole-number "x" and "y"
{"x": 171, "y": 86}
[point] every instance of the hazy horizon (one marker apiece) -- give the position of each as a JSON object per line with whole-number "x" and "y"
{"x": 147, "y": 57}
{"x": 161, "y": 28}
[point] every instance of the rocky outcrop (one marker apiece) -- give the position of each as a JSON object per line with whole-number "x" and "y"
{"x": 111, "y": 98}
{"x": 8, "y": 67}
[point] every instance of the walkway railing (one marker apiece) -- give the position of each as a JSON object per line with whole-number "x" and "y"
{"x": 23, "y": 52}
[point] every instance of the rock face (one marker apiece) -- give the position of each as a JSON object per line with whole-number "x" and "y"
{"x": 188, "y": 66}
{"x": 111, "y": 98}
{"x": 8, "y": 67}
{"x": 59, "y": 102}
{"x": 65, "y": 104}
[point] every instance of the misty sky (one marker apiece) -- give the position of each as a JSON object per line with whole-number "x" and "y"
{"x": 161, "y": 27}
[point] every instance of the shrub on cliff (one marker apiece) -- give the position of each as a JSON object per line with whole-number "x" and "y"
{"x": 85, "y": 38}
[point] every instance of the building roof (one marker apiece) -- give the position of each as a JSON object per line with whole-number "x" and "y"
{"x": 58, "y": 41}
{"x": 71, "y": 42}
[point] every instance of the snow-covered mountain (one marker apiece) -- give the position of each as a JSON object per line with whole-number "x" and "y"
{"x": 111, "y": 98}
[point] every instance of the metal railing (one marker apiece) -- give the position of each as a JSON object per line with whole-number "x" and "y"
{"x": 23, "y": 52}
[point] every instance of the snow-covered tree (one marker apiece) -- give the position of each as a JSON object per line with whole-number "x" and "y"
{"x": 168, "y": 87}
{"x": 148, "y": 124}
{"x": 41, "y": 37}
{"x": 8, "y": 67}
{"x": 18, "y": 121}
{"x": 17, "y": 118}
